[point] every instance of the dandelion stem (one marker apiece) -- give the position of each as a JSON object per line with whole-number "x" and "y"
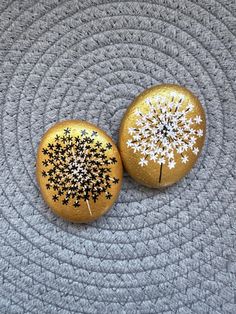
{"x": 160, "y": 174}
{"x": 89, "y": 208}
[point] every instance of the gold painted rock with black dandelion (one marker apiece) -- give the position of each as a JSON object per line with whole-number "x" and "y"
{"x": 79, "y": 170}
{"x": 162, "y": 134}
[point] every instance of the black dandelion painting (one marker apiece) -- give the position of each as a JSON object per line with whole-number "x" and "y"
{"x": 78, "y": 169}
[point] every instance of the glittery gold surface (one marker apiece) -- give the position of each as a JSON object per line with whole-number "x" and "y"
{"x": 79, "y": 170}
{"x": 161, "y": 135}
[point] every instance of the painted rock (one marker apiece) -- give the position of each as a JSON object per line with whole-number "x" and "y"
{"x": 79, "y": 170}
{"x": 161, "y": 135}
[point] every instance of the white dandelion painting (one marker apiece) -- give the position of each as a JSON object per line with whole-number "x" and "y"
{"x": 165, "y": 131}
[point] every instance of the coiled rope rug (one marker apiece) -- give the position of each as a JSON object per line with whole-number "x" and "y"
{"x": 170, "y": 251}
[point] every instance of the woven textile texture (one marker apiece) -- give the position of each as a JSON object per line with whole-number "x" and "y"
{"x": 168, "y": 251}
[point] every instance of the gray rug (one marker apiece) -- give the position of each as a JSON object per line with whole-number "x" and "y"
{"x": 170, "y": 251}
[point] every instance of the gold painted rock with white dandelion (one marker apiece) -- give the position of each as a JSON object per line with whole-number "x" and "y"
{"x": 79, "y": 170}
{"x": 162, "y": 134}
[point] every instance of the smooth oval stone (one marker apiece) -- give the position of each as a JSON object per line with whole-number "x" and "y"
{"x": 79, "y": 170}
{"x": 161, "y": 135}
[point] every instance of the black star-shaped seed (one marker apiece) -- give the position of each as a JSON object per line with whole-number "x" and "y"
{"x": 64, "y": 139}
{"x": 51, "y": 171}
{"x": 65, "y": 201}
{"x": 69, "y": 138}
{"x": 86, "y": 197}
{"x": 45, "y": 163}
{"x": 113, "y": 160}
{"x": 58, "y": 176}
{"x": 108, "y": 146}
{"x": 101, "y": 189}
{"x": 70, "y": 154}
{"x": 50, "y": 155}
{"x": 63, "y": 158}
{"x": 73, "y": 195}
{"x": 58, "y": 146}
{"x": 90, "y": 140}
{"x": 56, "y": 156}
{"x": 55, "y": 198}
{"x": 57, "y": 138}
{"x": 76, "y": 204}
{"x": 84, "y": 132}
{"x": 67, "y": 131}
{"x": 108, "y": 195}
{"x": 115, "y": 180}
{"x": 55, "y": 187}
{"x": 94, "y": 133}
{"x": 95, "y": 197}
{"x": 77, "y": 139}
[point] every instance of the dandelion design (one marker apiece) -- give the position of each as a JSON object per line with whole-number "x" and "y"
{"x": 166, "y": 130}
{"x": 77, "y": 168}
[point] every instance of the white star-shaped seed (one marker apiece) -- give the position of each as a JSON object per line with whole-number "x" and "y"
{"x": 138, "y": 112}
{"x": 181, "y": 98}
{"x": 158, "y": 150}
{"x": 200, "y": 133}
{"x": 173, "y": 94}
{"x": 143, "y": 162}
{"x": 184, "y": 159}
{"x": 148, "y": 101}
{"x": 193, "y": 139}
{"x": 154, "y": 131}
{"x": 171, "y": 164}
{"x": 152, "y": 146}
{"x": 195, "y": 150}
{"x": 171, "y": 105}
{"x": 170, "y": 155}
{"x": 131, "y": 131}
{"x": 139, "y": 123}
{"x": 161, "y": 161}
{"x": 180, "y": 131}
{"x": 185, "y": 136}
{"x": 153, "y": 157}
{"x": 198, "y": 119}
{"x": 144, "y": 151}
{"x": 129, "y": 143}
{"x": 137, "y": 137}
{"x": 171, "y": 134}
{"x": 136, "y": 147}
{"x": 190, "y": 107}
{"x": 180, "y": 150}
{"x": 183, "y": 118}
{"x": 190, "y": 145}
